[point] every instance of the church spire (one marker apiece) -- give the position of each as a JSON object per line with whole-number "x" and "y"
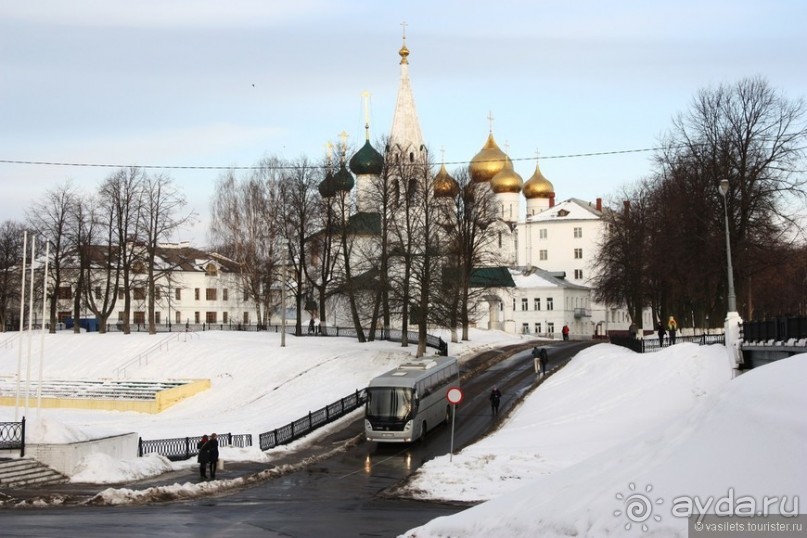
{"x": 406, "y": 140}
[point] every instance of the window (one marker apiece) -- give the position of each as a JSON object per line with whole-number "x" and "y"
{"x": 542, "y": 233}
{"x": 139, "y": 294}
{"x": 224, "y": 296}
{"x": 178, "y": 317}
{"x": 525, "y": 304}
{"x": 578, "y": 254}
{"x": 97, "y": 293}
{"x": 139, "y": 317}
{"x": 210, "y": 294}
{"x": 196, "y": 317}
{"x": 246, "y": 318}
{"x": 120, "y": 315}
{"x": 578, "y": 274}
{"x": 537, "y": 304}
{"x": 525, "y": 328}
{"x": 500, "y": 239}
{"x": 65, "y": 292}
{"x": 196, "y": 294}
{"x": 550, "y": 327}
{"x": 578, "y": 233}
{"x": 157, "y": 294}
{"x": 211, "y": 270}
{"x": 156, "y": 317}
{"x": 550, "y": 305}
{"x": 178, "y": 294}
{"x": 63, "y": 315}
{"x": 138, "y": 268}
{"x": 210, "y": 317}
{"x": 120, "y": 295}
{"x": 246, "y": 296}
{"x": 538, "y": 328}
{"x": 543, "y": 255}
{"x": 514, "y": 304}
{"x": 224, "y": 317}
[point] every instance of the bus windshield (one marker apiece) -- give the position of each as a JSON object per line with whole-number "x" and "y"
{"x": 389, "y": 402}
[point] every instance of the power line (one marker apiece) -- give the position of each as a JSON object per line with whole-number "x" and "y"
{"x": 292, "y": 167}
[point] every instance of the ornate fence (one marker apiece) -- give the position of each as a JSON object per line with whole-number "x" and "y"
{"x": 316, "y": 419}
{"x": 182, "y": 448}
{"x": 12, "y": 436}
{"x": 640, "y": 345}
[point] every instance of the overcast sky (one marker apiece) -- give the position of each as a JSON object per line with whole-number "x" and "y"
{"x": 206, "y": 83}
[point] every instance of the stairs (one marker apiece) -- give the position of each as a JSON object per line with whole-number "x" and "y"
{"x": 27, "y": 473}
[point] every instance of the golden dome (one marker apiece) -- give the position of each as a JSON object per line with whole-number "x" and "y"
{"x": 488, "y": 162}
{"x": 507, "y": 180}
{"x": 444, "y": 184}
{"x": 404, "y": 52}
{"x": 538, "y": 186}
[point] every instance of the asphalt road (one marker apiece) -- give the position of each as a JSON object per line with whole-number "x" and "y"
{"x": 347, "y": 495}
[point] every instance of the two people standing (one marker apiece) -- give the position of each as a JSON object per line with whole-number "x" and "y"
{"x": 208, "y": 456}
{"x": 670, "y": 328}
{"x": 540, "y": 358}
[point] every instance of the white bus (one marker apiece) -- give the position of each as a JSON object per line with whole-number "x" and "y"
{"x": 404, "y": 403}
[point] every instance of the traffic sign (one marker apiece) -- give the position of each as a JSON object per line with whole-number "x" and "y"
{"x": 454, "y": 395}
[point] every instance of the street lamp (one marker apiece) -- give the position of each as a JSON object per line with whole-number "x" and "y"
{"x": 724, "y": 190}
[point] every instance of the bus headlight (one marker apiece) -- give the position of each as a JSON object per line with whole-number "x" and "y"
{"x": 367, "y": 425}
{"x": 408, "y": 426}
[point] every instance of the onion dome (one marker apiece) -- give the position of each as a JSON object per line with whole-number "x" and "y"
{"x": 367, "y": 161}
{"x": 326, "y": 188}
{"x": 488, "y": 162}
{"x": 404, "y": 52}
{"x": 445, "y": 186}
{"x": 507, "y": 180}
{"x": 538, "y": 186}
{"x": 343, "y": 180}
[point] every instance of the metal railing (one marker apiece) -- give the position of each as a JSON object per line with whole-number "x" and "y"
{"x": 641, "y": 345}
{"x": 182, "y": 448}
{"x": 12, "y": 436}
{"x": 776, "y": 329}
{"x": 142, "y": 358}
{"x": 316, "y": 419}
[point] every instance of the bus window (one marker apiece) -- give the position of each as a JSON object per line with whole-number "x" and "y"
{"x": 389, "y": 403}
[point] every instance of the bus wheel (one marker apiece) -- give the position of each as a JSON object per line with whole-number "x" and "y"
{"x": 423, "y": 430}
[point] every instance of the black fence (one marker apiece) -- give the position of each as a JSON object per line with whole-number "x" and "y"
{"x": 316, "y": 419}
{"x": 640, "y": 345}
{"x": 182, "y": 448}
{"x": 776, "y": 329}
{"x": 12, "y": 436}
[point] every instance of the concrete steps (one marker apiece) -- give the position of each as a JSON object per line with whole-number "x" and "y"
{"x": 27, "y": 473}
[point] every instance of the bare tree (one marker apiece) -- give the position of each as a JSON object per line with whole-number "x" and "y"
{"x": 50, "y": 218}
{"x": 161, "y": 204}
{"x": 11, "y": 254}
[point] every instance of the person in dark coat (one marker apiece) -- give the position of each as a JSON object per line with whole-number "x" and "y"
{"x": 204, "y": 455}
{"x": 495, "y": 397}
{"x": 543, "y": 358}
{"x": 213, "y": 457}
{"x": 661, "y": 333}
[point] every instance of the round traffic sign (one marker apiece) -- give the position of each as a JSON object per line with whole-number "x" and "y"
{"x": 454, "y": 395}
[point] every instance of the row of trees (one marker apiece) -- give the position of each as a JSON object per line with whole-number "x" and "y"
{"x": 407, "y": 259}
{"x": 666, "y": 246}
{"x": 96, "y": 244}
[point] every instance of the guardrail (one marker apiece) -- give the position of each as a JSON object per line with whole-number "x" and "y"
{"x": 142, "y": 358}
{"x": 12, "y": 436}
{"x": 641, "y": 345}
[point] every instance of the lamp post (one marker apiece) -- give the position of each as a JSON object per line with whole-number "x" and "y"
{"x": 724, "y": 190}
{"x": 733, "y": 320}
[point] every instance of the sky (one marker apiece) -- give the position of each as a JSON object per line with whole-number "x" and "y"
{"x": 201, "y": 83}
{"x": 609, "y": 430}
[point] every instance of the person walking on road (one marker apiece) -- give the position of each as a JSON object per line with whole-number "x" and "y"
{"x": 495, "y": 397}
{"x": 204, "y": 456}
{"x": 565, "y": 332}
{"x": 213, "y": 457}
{"x": 543, "y": 358}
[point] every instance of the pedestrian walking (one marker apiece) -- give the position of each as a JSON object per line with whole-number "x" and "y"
{"x": 565, "y": 331}
{"x": 543, "y": 358}
{"x": 672, "y": 327}
{"x": 204, "y": 455}
{"x": 213, "y": 454}
{"x": 661, "y": 333}
{"x": 311, "y": 326}
{"x": 495, "y": 398}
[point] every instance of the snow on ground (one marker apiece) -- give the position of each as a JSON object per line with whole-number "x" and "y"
{"x": 722, "y": 442}
{"x": 610, "y": 428}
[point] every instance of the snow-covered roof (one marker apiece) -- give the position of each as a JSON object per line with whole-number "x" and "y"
{"x": 571, "y": 209}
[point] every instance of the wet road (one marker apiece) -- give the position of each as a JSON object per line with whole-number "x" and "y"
{"x": 341, "y": 496}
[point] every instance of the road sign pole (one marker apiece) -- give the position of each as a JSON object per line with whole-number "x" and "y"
{"x": 453, "y": 416}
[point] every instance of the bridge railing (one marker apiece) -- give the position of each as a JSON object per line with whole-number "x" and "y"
{"x": 12, "y": 436}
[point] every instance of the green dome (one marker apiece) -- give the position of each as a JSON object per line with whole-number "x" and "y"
{"x": 343, "y": 180}
{"x": 326, "y": 188}
{"x": 367, "y": 161}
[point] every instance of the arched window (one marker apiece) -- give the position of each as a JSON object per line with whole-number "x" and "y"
{"x": 211, "y": 270}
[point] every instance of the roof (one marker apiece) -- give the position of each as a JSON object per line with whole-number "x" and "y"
{"x": 491, "y": 277}
{"x": 571, "y": 209}
{"x": 534, "y": 277}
